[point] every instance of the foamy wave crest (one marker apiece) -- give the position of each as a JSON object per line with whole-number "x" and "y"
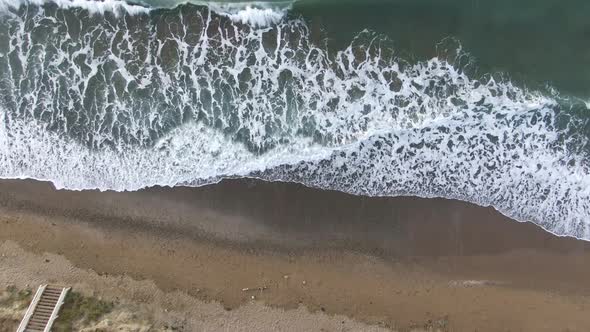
{"x": 123, "y": 104}
{"x": 257, "y": 14}
{"x": 192, "y": 153}
{"x": 117, "y": 7}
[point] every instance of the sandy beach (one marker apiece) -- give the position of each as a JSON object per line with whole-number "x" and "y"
{"x": 248, "y": 255}
{"x": 295, "y": 165}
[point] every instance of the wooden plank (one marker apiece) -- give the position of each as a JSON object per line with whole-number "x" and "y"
{"x": 31, "y": 309}
{"x": 58, "y": 305}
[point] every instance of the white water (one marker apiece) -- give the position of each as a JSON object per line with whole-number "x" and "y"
{"x": 190, "y": 153}
{"x": 117, "y": 7}
{"x": 256, "y": 13}
{"x": 359, "y": 121}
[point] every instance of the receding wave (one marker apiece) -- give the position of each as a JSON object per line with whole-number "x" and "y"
{"x": 189, "y": 97}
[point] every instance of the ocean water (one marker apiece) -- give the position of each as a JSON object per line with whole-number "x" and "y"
{"x": 482, "y": 101}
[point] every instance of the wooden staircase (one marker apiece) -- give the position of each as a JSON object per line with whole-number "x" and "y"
{"x": 43, "y": 309}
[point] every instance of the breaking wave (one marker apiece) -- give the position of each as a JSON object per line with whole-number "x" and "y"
{"x": 189, "y": 97}
{"x": 117, "y": 7}
{"x": 256, "y": 13}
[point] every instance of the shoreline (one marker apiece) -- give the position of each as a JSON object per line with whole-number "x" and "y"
{"x": 258, "y": 207}
{"x": 400, "y": 263}
{"x": 164, "y": 188}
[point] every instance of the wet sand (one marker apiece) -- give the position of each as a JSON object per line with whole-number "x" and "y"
{"x": 399, "y": 263}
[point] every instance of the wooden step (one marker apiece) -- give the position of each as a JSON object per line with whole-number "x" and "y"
{"x": 43, "y": 309}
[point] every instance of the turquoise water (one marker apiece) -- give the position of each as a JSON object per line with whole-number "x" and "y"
{"x": 481, "y": 101}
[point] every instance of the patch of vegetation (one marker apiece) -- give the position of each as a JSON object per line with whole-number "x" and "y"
{"x": 8, "y": 324}
{"x": 80, "y": 310}
{"x": 14, "y": 297}
{"x": 13, "y": 300}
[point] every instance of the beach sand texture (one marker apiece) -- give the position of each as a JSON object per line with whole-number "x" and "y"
{"x": 323, "y": 260}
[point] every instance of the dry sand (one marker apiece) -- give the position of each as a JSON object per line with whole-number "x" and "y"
{"x": 325, "y": 260}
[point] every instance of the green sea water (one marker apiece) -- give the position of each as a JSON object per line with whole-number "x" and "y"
{"x": 540, "y": 41}
{"x": 481, "y": 101}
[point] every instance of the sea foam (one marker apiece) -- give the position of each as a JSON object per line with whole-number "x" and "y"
{"x": 250, "y": 14}
{"x": 257, "y": 14}
{"x": 117, "y": 7}
{"x": 207, "y": 99}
